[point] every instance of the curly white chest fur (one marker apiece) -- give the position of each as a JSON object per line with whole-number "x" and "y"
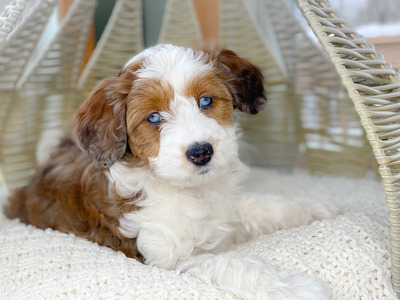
{"x": 173, "y": 224}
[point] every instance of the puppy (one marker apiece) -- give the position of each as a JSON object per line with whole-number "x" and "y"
{"x": 151, "y": 168}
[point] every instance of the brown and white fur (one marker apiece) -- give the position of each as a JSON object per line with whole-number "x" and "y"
{"x": 151, "y": 168}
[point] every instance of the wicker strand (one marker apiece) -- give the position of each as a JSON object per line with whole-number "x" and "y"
{"x": 22, "y": 43}
{"x": 177, "y": 13}
{"x": 123, "y": 35}
{"x": 9, "y": 17}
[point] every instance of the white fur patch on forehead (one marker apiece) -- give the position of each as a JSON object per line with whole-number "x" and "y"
{"x": 190, "y": 124}
{"x": 175, "y": 65}
{"x": 145, "y": 53}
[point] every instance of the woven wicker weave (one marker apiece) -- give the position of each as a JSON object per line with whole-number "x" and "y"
{"x": 262, "y": 142}
{"x": 21, "y": 44}
{"x": 39, "y": 73}
{"x": 40, "y": 85}
{"x": 9, "y": 17}
{"x": 179, "y": 25}
{"x": 121, "y": 38}
{"x": 374, "y": 88}
{"x": 328, "y": 123}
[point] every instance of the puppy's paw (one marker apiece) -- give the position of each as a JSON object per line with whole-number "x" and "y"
{"x": 323, "y": 210}
{"x": 300, "y": 287}
{"x": 248, "y": 277}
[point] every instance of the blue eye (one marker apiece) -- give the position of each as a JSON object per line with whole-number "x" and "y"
{"x": 154, "y": 118}
{"x": 205, "y": 102}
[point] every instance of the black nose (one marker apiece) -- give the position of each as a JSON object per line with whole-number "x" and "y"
{"x": 200, "y": 153}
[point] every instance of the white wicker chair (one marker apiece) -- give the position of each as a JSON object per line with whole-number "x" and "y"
{"x": 41, "y": 85}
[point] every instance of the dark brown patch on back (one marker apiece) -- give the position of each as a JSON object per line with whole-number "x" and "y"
{"x": 70, "y": 194}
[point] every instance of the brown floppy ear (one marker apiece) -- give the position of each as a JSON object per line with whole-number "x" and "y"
{"x": 100, "y": 124}
{"x": 249, "y": 94}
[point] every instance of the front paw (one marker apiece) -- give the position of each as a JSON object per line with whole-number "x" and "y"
{"x": 248, "y": 277}
{"x": 300, "y": 287}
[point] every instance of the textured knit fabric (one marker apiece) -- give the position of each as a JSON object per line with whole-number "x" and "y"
{"x": 349, "y": 253}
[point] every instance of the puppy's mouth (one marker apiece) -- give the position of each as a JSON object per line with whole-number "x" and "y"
{"x": 203, "y": 171}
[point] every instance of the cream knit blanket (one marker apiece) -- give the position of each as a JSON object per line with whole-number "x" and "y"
{"x": 350, "y": 253}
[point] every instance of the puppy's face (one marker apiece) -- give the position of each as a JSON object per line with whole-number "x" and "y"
{"x": 171, "y": 107}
